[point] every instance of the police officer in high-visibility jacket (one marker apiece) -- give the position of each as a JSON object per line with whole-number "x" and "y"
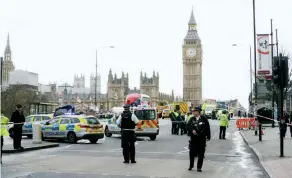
{"x": 4, "y": 132}
{"x": 204, "y": 108}
{"x": 174, "y": 118}
{"x": 127, "y": 122}
{"x": 223, "y": 124}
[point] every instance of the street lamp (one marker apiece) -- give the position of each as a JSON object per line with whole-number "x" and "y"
{"x": 95, "y": 86}
{"x": 250, "y": 65}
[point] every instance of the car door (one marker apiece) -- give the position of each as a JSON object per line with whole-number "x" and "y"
{"x": 51, "y": 128}
{"x": 27, "y": 126}
{"x": 63, "y": 127}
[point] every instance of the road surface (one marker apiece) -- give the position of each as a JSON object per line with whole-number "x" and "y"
{"x": 165, "y": 157}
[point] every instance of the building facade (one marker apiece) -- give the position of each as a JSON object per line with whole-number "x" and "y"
{"x": 8, "y": 65}
{"x": 117, "y": 89}
{"x": 192, "y": 64}
{"x": 150, "y": 86}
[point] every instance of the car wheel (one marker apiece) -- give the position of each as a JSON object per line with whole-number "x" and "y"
{"x": 29, "y": 136}
{"x": 93, "y": 140}
{"x": 153, "y": 137}
{"x": 72, "y": 137}
{"x": 11, "y": 133}
{"x": 106, "y": 132}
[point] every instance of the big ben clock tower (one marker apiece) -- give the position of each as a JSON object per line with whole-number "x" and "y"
{"x": 192, "y": 64}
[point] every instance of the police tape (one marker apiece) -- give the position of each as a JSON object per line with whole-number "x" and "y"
{"x": 290, "y": 124}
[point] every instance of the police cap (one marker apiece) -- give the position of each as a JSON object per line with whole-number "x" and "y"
{"x": 18, "y": 106}
{"x": 126, "y": 106}
{"x": 198, "y": 108}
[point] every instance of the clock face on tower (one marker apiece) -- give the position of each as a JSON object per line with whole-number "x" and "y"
{"x": 191, "y": 52}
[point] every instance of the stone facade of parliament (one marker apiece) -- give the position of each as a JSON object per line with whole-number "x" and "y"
{"x": 118, "y": 89}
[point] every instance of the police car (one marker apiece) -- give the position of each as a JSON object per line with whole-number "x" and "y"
{"x": 29, "y": 120}
{"x": 148, "y": 125}
{"x": 73, "y": 128}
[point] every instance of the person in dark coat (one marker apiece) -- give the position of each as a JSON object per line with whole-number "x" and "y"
{"x": 213, "y": 114}
{"x": 18, "y": 119}
{"x": 127, "y": 122}
{"x": 200, "y": 131}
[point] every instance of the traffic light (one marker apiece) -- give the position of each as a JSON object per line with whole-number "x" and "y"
{"x": 276, "y": 71}
{"x": 284, "y": 72}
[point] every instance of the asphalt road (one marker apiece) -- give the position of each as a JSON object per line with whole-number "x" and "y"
{"x": 165, "y": 157}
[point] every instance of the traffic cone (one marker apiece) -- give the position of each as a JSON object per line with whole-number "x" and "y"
{"x": 262, "y": 132}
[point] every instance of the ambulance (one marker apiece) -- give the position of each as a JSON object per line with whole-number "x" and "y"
{"x": 148, "y": 125}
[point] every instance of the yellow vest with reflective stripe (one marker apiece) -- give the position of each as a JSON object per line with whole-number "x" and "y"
{"x": 4, "y": 124}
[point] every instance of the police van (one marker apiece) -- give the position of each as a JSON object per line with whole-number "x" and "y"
{"x": 148, "y": 125}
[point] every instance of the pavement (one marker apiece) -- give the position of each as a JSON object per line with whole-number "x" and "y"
{"x": 268, "y": 151}
{"x": 165, "y": 157}
{"x": 26, "y": 144}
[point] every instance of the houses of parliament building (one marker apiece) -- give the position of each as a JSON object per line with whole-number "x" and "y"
{"x": 78, "y": 94}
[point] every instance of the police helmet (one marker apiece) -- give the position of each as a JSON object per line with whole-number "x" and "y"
{"x": 224, "y": 112}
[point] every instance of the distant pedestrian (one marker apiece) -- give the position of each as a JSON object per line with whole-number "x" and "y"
{"x": 4, "y": 132}
{"x": 239, "y": 113}
{"x": 223, "y": 124}
{"x": 18, "y": 119}
{"x": 127, "y": 122}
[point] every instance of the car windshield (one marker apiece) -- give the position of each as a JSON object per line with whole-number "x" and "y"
{"x": 28, "y": 119}
{"x": 208, "y": 109}
{"x": 92, "y": 120}
{"x": 166, "y": 111}
{"x": 145, "y": 114}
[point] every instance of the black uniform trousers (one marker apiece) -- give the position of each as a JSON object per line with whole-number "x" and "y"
{"x": 2, "y": 144}
{"x": 222, "y": 132}
{"x": 197, "y": 149}
{"x": 128, "y": 145}
{"x": 17, "y": 136}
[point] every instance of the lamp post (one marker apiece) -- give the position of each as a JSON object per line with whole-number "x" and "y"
{"x": 250, "y": 65}
{"x": 95, "y": 85}
{"x": 255, "y": 57}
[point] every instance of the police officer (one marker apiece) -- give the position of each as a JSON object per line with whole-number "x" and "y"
{"x": 127, "y": 122}
{"x": 174, "y": 118}
{"x": 213, "y": 114}
{"x": 223, "y": 124}
{"x": 4, "y": 132}
{"x": 199, "y": 128}
{"x": 18, "y": 119}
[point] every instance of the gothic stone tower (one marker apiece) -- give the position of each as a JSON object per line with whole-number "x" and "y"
{"x": 79, "y": 82}
{"x": 150, "y": 86}
{"x": 7, "y": 64}
{"x": 117, "y": 89}
{"x": 192, "y": 64}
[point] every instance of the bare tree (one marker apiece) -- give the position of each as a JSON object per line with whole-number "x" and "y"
{"x": 289, "y": 55}
{"x": 18, "y": 94}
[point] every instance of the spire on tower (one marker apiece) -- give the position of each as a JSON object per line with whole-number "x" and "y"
{"x": 7, "y": 49}
{"x": 192, "y": 18}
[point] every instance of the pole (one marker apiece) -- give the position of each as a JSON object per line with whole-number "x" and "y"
{"x": 273, "y": 87}
{"x": 250, "y": 67}
{"x": 282, "y": 120}
{"x": 277, "y": 45}
{"x": 255, "y": 61}
{"x": 1, "y": 70}
{"x": 95, "y": 83}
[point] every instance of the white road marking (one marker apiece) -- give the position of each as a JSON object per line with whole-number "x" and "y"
{"x": 160, "y": 153}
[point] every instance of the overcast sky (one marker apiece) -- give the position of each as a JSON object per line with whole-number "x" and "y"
{"x": 58, "y": 38}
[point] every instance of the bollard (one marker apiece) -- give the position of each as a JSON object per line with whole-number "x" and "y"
{"x": 260, "y": 132}
{"x": 36, "y": 133}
